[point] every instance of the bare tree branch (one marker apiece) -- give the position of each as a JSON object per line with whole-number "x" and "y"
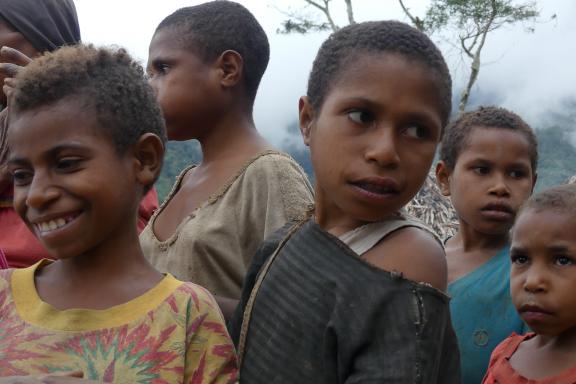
{"x": 475, "y": 66}
{"x": 418, "y": 23}
{"x": 350, "y": 11}
{"x": 326, "y": 10}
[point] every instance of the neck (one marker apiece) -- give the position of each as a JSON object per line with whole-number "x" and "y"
{"x": 565, "y": 341}
{"x": 231, "y": 137}
{"x": 330, "y": 217}
{"x": 469, "y": 239}
{"x": 119, "y": 258}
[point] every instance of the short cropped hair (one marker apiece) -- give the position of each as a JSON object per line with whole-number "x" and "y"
{"x": 107, "y": 79}
{"x": 457, "y": 134}
{"x": 561, "y": 198}
{"x": 376, "y": 37}
{"x": 212, "y": 28}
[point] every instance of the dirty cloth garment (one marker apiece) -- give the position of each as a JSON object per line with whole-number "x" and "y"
{"x": 483, "y": 314}
{"x": 214, "y": 245}
{"x": 324, "y": 315}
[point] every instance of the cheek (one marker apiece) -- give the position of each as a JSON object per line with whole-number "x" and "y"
{"x": 19, "y": 200}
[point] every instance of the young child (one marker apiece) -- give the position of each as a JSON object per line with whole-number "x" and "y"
{"x": 543, "y": 282}
{"x": 101, "y": 308}
{"x": 488, "y": 168}
{"x": 205, "y": 64}
{"x": 354, "y": 293}
{"x": 28, "y": 28}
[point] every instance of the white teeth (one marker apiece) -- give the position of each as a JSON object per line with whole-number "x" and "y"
{"x": 52, "y": 225}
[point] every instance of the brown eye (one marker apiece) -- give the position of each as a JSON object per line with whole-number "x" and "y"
{"x": 416, "y": 132}
{"x": 21, "y": 176}
{"x": 361, "y": 117}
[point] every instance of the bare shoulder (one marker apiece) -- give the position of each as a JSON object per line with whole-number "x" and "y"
{"x": 413, "y": 252}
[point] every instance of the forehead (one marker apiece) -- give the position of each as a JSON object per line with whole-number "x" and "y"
{"x": 497, "y": 143}
{"x": 63, "y": 121}
{"x": 535, "y": 226}
{"x": 395, "y": 79}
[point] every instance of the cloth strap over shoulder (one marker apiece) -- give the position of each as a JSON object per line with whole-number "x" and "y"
{"x": 365, "y": 237}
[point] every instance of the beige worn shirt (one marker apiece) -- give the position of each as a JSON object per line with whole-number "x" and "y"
{"x": 213, "y": 246}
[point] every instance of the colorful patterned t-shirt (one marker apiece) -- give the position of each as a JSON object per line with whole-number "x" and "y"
{"x": 173, "y": 333}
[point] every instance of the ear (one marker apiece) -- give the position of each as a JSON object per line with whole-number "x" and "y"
{"x": 231, "y": 66}
{"x": 443, "y": 178}
{"x": 306, "y": 115}
{"x": 149, "y": 156}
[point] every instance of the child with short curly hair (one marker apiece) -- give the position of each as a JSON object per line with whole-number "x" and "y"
{"x": 353, "y": 294}
{"x": 487, "y": 166}
{"x": 542, "y": 282}
{"x": 86, "y": 143}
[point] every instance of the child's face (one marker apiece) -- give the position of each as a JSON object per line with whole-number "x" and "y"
{"x": 183, "y": 85}
{"x": 374, "y": 138}
{"x": 543, "y": 274}
{"x": 71, "y": 187}
{"x": 492, "y": 177}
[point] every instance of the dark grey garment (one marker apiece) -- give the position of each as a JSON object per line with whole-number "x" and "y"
{"x": 323, "y": 315}
{"x": 46, "y": 24}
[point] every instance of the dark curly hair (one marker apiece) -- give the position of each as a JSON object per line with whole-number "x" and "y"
{"x": 457, "y": 133}
{"x": 561, "y": 198}
{"x": 107, "y": 79}
{"x": 375, "y": 37}
{"x": 211, "y": 28}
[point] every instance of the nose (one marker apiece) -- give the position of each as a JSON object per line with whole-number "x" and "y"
{"x": 535, "y": 280}
{"x": 381, "y": 149}
{"x": 41, "y": 192}
{"x": 499, "y": 186}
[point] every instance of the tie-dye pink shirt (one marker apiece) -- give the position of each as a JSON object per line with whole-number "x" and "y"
{"x": 174, "y": 333}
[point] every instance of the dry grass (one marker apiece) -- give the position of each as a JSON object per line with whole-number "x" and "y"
{"x": 435, "y": 210}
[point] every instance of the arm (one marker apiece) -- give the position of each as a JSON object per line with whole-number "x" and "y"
{"x": 406, "y": 321}
{"x": 414, "y": 253}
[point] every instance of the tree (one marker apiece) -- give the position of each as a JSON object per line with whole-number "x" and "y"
{"x": 472, "y": 20}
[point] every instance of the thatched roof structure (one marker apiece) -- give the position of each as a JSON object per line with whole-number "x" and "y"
{"x": 435, "y": 210}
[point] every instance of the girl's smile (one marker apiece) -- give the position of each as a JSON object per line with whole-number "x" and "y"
{"x": 72, "y": 188}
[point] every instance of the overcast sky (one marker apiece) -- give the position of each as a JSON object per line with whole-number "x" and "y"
{"x": 530, "y": 72}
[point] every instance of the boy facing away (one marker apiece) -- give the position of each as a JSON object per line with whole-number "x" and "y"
{"x": 205, "y": 64}
{"x": 488, "y": 168}
{"x": 353, "y": 294}
{"x": 542, "y": 282}
{"x": 100, "y": 311}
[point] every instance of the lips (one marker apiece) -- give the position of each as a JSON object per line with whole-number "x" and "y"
{"x": 497, "y": 211}
{"x": 377, "y": 186}
{"x": 533, "y": 313}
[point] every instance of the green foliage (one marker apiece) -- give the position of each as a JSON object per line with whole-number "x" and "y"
{"x": 302, "y": 26}
{"x": 179, "y": 154}
{"x": 473, "y": 16}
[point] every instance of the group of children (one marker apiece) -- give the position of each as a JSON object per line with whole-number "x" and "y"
{"x": 348, "y": 289}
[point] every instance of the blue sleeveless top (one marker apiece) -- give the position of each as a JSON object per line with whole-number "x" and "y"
{"x": 483, "y": 314}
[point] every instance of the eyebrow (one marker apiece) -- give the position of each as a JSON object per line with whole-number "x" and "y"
{"x": 52, "y": 152}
